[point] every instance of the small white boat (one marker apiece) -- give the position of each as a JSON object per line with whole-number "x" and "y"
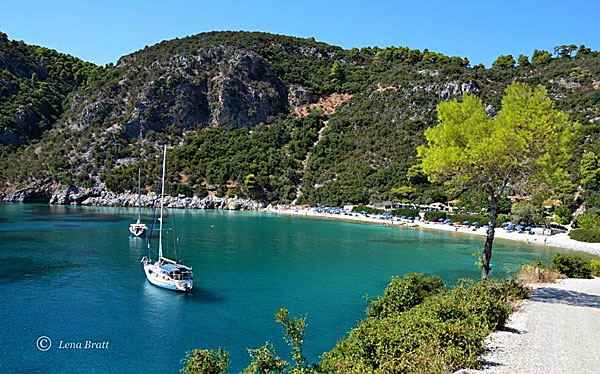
{"x": 138, "y": 228}
{"x": 166, "y": 273}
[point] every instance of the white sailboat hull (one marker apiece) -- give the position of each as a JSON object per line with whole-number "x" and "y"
{"x": 159, "y": 279}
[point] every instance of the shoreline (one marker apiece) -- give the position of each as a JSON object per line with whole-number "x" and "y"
{"x": 558, "y": 240}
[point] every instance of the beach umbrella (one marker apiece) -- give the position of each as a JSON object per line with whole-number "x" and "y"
{"x": 528, "y": 228}
{"x": 410, "y": 218}
{"x": 448, "y": 220}
{"x": 465, "y": 222}
{"x": 475, "y": 223}
{"x": 364, "y": 212}
{"x": 519, "y": 227}
{"x": 441, "y": 220}
{"x": 403, "y": 217}
{"x": 504, "y": 224}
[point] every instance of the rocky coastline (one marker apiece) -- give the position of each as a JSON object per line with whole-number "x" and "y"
{"x": 99, "y": 196}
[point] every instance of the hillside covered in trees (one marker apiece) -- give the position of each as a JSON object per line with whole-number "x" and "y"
{"x": 275, "y": 118}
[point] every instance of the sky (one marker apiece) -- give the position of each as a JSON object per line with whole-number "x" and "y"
{"x": 101, "y": 31}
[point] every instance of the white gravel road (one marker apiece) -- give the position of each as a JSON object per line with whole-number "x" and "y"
{"x": 557, "y": 331}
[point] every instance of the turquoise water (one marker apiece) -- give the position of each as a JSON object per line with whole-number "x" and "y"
{"x": 73, "y": 274}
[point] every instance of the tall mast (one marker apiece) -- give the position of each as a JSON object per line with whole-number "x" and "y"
{"x": 162, "y": 195}
{"x": 139, "y": 195}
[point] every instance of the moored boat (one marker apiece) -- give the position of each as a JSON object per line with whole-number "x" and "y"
{"x": 165, "y": 272}
{"x": 138, "y": 228}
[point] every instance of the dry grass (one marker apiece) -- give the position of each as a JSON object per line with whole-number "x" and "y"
{"x": 546, "y": 275}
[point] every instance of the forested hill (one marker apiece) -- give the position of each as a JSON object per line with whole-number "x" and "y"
{"x": 34, "y": 83}
{"x": 272, "y": 117}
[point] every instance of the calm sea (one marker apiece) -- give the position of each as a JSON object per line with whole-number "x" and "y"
{"x": 72, "y": 274}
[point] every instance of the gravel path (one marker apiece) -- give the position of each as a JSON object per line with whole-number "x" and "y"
{"x": 557, "y": 331}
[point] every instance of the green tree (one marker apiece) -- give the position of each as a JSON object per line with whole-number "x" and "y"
{"x": 404, "y": 193}
{"x": 336, "y": 74}
{"x": 589, "y": 221}
{"x": 415, "y": 175}
{"x": 250, "y": 181}
{"x": 540, "y": 57}
{"x": 564, "y": 214}
{"x": 527, "y": 213}
{"x": 590, "y": 171}
{"x": 469, "y": 150}
{"x": 583, "y": 51}
{"x": 204, "y": 361}
{"x": 504, "y": 62}
{"x": 565, "y": 50}
{"x": 523, "y": 61}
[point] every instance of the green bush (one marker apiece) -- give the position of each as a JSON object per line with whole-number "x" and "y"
{"x": 434, "y": 216}
{"x": 572, "y": 266}
{"x": 595, "y": 266}
{"x": 368, "y": 209}
{"x": 404, "y": 293}
{"x": 589, "y": 221}
{"x": 396, "y": 212}
{"x": 503, "y": 218}
{"x": 405, "y": 212}
{"x": 564, "y": 214}
{"x": 585, "y": 235}
{"x": 480, "y": 219}
{"x": 442, "y": 334}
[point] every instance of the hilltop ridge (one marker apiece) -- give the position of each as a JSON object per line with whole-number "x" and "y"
{"x": 227, "y": 103}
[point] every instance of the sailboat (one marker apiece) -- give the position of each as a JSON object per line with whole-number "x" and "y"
{"x": 138, "y": 228}
{"x": 164, "y": 272}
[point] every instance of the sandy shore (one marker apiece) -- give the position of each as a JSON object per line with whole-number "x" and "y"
{"x": 554, "y": 332}
{"x": 558, "y": 240}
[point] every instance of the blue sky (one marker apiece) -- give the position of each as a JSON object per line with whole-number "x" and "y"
{"x": 102, "y": 31}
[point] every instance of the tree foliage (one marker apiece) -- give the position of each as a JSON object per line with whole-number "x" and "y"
{"x": 524, "y": 143}
{"x": 504, "y": 62}
{"x": 203, "y": 361}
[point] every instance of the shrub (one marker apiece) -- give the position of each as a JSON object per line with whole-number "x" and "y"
{"x": 589, "y": 221}
{"x": 397, "y": 212}
{"x": 527, "y": 212}
{"x": 480, "y": 219}
{"x": 368, "y": 209}
{"x": 404, "y": 293}
{"x": 434, "y": 216}
{"x": 442, "y": 334}
{"x": 547, "y": 274}
{"x": 503, "y": 218}
{"x": 595, "y": 266}
{"x": 572, "y": 266}
{"x": 585, "y": 235}
{"x": 405, "y": 212}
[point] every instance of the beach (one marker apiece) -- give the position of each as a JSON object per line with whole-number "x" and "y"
{"x": 558, "y": 240}
{"x": 553, "y": 332}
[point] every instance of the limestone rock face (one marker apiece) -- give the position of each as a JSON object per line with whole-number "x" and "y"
{"x": 217, "y": 86}
{"x": 34, "y": 192}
